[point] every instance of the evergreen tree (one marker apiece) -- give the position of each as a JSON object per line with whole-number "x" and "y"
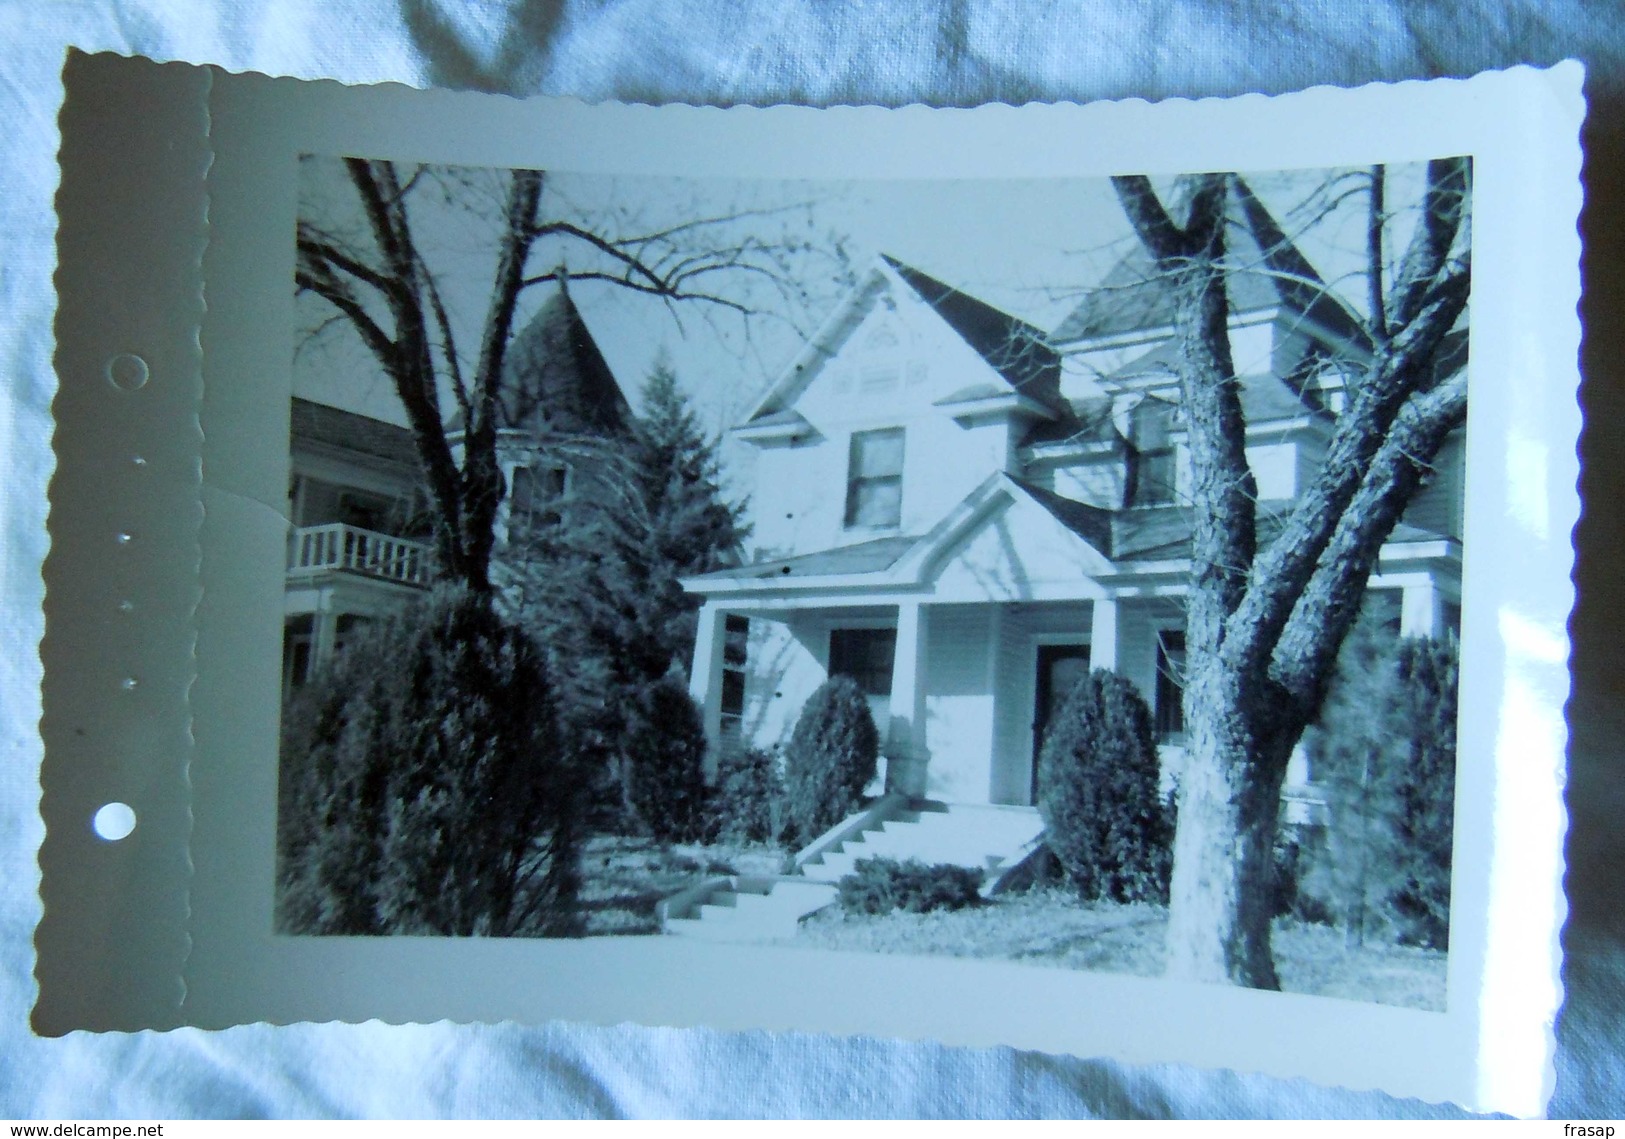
{"x": 602, "y": 591}
{"x": 1386, "y": 751}
{"x": 422, "y": 788}
{"x": 830, "y": 759}
{"x": 687, "y": 526}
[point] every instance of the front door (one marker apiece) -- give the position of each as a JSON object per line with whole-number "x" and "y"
{"x": 1060, "y": 668}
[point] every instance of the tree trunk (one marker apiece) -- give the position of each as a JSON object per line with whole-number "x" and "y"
{"x": 1222, "y": 890}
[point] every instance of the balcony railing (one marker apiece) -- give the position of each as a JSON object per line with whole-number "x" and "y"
{"x": 315, "y": 549}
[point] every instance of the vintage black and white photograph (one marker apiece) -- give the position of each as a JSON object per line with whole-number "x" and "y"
{"x": 1057, "y": 572}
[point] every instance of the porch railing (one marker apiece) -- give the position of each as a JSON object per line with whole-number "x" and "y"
{"x": 315, "y": 549}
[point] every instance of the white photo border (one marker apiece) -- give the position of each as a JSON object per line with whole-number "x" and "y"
{"x": 1491, "y": 1049}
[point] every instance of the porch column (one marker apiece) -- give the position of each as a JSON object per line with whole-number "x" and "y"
{"x": 1103, "y": 636}
{"x": 906, "y": 751}
{"x": 324, "y": 629}
{"x": 1419, "y": 610}
{"x": 705, "y": 679}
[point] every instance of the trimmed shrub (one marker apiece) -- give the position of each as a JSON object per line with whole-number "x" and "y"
{"x": 831, "y": 757}
{"x": 1098, "y": 793}
{"x": 664, "y": 749}
{"x": 881, "y": 885}
{"x": 422, "y": 788}
{"x": 1386, "y": 752}
{"x": 748, "y": 803}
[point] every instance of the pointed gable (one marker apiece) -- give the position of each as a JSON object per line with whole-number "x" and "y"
{"x": 1266, "y": 270}
{"x": 1013, "y": 348}
{"x": 1012, "y": 357}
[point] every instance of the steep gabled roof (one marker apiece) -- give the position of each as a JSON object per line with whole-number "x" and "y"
{"x": 1090, "y": 523}
{"x": 1266, "y": 270}
{"x": 317, "y": 423}
{"x": 907, "y": 560}
{"x": 1013, "y": 348}
{"x": 555, "y": 379}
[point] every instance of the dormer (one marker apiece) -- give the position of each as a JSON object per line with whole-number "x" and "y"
{"x": 1284, "y": 320}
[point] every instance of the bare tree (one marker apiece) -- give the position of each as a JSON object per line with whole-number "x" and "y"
{"x": 1265, "y": 625}
{"x": 379, "y": 283}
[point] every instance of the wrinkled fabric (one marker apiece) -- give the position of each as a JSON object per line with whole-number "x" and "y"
{"x": 941, "y": 52}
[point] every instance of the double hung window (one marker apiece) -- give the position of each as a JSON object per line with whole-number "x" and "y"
{"x": 1170, "y": 705}
{"x": 735, "y": 651}
{"x": 533, "y": 502}
{"x": 874, "y": 485}
{"x": 866, "y": 656}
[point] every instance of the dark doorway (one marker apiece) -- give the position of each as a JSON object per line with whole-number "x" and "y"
{"x": 1060, "y": 668}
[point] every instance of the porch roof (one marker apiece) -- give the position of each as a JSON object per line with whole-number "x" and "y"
{"x": 903, "y": 561}
{"x": 1104, "y": 544}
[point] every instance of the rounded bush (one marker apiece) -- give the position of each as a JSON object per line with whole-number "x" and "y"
{"x": 830, "y": 758}
{"x": 881, "y": 885}
{"x": 422, "y": 786}
{"x": 1099, "y": 794}
{"x": 665, "y": 755}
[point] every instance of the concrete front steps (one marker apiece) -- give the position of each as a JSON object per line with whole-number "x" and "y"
{"x": 993, "y": 840}
{"x": 985, "y": 838}
{"x": 745, "y": 907}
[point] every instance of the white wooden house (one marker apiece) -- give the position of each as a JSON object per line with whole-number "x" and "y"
{"x": 966, "y": 514}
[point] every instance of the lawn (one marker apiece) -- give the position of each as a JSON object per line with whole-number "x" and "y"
{"x": 1051, "y": 927}
{"x": 624, "y": 878}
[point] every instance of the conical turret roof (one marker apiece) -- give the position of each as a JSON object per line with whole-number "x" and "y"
{"x": 555, "y": 380}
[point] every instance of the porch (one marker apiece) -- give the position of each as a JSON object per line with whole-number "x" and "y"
{"x": 338, "y": 577}
{"x": 961, "y": 691}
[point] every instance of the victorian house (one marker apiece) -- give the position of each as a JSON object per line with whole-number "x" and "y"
{"x": 966, "y": 514}
{"x": 360, "y": 543}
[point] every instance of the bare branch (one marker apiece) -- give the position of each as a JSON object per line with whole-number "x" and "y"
{"x": 1160, "y": 233}
{"x": 1444, "y": 205}
{"x": 312, "y": 244}
{"x": 1330, "y": 601}
{"x": 330, "y": 289}
{"x": 603, "y": 245}
{"x": 1374, "y": 259}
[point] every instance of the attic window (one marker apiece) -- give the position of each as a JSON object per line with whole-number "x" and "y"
{"x": 874, "y": 486}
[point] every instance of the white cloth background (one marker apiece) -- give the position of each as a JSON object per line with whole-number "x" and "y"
{"x": 820, "y": 52}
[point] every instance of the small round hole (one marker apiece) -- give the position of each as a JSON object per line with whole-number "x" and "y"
{"x": 127, "y": 372}
{"x": 114, "y": 821}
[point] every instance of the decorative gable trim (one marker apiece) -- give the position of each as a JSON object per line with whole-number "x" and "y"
{"x": 1022, "y": 362}
{"x": 836, "y": 327}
